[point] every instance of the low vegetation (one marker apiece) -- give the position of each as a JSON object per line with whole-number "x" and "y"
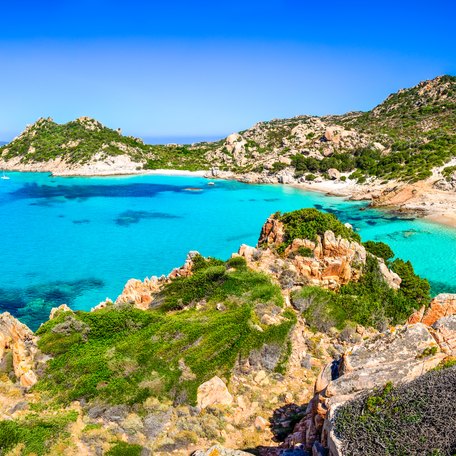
{"x": 414, "y": 419}
{"x": 369, "y": 302}
{"x": 35, "y": 434}
{"x": 200, "y": 328}
{"x": 403, "y": 138}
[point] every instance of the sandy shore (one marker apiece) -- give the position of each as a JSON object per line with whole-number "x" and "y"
{"x": 420, "y": 199}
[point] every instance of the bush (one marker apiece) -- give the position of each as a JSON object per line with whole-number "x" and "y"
{"x": 413, "y": 287}
{"x": 406, "y": 420}
{"x": 125, "y": 449}
{"x": 310, "y": 223}
{"x": 369, "y": 302}
{"x": 379, "y": 249}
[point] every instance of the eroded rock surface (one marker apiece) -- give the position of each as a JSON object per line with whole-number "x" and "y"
{"x": 397, "y": 356}
{"x": 17, "y": 339}
{"x": 141, "y": 293}
{"x": 328, "y": 262}
{"x": 213, "y": 392}
{"x": 442, "y": 305}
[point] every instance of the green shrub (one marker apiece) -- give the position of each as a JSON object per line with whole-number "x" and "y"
{"x": 125, "y": 449}
{"x": 379, "y": 249}
{"x": 305, "y": 252}
{"x": 310, "y": 223}
{"x": 369, "y": 302}
{"x": 413, "y": 287}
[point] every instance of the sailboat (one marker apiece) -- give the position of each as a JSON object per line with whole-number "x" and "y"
{"x": 4, "y": 176}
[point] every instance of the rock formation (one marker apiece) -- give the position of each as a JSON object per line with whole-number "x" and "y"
{"x": 213, "y": 392}
{"x": 329, "y": 262}
{"x": 56, "y": 310}
{"x": 17, "y": 339}
{"x": 399, "y": 355}
{"x": 141, "y": 293}
{"x": 442, "y": 305}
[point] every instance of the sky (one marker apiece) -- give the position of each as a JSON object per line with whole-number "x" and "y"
{"x": 202, "y": 70}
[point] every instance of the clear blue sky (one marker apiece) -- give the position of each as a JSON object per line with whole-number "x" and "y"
{"x": 204, "y": 69}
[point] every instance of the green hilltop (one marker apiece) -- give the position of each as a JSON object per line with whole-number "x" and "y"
{"x": 403, "y": 138}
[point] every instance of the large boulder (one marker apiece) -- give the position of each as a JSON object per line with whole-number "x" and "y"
{"x": 396, "y": 356}
{"x": 334, "y": 173}
{"x": 445, "y": 334}
{"x": 213, "y": 392}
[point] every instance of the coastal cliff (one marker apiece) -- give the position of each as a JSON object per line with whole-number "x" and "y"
{"x": 257, "y": 352}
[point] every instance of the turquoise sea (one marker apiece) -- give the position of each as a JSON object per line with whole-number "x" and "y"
{"x": 78, "y": 240}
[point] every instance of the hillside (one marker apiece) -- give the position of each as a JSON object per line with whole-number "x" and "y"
{"x": 403, "y": 138}
{"x": 223, "y": 351}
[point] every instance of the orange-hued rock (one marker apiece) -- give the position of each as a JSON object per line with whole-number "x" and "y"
{"x": 443, "y": 305}
{"x": 272, "y": 232}
{"x": 56, "y": 310}
{"x": 445, "y": 334}
{"x": 19, "y": 339}
{"x": 330, "y": 261}
{"x": 142, "y": 293}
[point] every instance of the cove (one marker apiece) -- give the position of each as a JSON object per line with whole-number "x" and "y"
{"x": 78, "y": 240}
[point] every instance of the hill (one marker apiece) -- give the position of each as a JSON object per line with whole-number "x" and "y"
{"x": 404, "y": 138}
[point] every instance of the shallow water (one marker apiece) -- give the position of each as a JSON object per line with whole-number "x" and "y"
{"x": 78, "y": 240}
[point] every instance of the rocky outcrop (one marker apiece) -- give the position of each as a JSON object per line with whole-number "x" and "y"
{"x": 328, "y": 262}
{"x": 213, "y": 392}
{"x": 141, "y": 293}
{"x": 398, "y": 356}
{"x": 18, "y": 339}
{"x": 442, "y": 305}
{"x": 56, "y": 310}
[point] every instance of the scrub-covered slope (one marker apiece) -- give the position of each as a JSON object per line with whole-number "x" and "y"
{"x": 216, "y": 349}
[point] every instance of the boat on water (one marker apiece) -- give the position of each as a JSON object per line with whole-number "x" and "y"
{"x": 4, "y": 176}
{"x": 210, "y": 183}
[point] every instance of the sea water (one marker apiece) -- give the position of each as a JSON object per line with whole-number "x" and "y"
{"x": 78, "y": 240}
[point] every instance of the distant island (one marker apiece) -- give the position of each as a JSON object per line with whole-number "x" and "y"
{"x": 401, "y": 154}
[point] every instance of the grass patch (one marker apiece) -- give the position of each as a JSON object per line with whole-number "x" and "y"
{"x": 128, "y": 355}
{"x": 36, "y": 434}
